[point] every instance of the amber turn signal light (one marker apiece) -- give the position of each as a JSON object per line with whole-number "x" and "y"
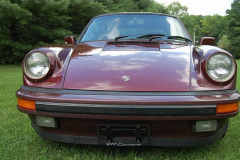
{"x": 27, "y": 104}
{"x": 226, "y": 108}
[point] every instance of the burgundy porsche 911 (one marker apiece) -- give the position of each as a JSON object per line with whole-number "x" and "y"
{"x": 130, "y": 79}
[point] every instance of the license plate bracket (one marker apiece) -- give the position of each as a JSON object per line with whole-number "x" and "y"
{"x": 123, "y": 135}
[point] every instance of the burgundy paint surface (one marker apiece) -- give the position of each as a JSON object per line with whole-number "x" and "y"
{"x": 163, "y": 66}
{"x": 56, "y": 80}
{"x": 207, "y": 41}
{"x": 200, "y": 81}
{"x": 150, "y": 68}
{"x": 70, "y": 40}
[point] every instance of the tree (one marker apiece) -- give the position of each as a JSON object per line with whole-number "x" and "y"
{"x": 206, "y": 26}
{"x": 192, "y": 22}
{"x": 111, "y": 5}
{"x": 48, "y": 21}
{"x": 234, "y": 28}
{"x": 157, "y": 8}
{"x": 224, "y": 43}
{"x": 13, "y": 22}
{"x": 176, "y": 9}
{"x": 28, "y": 24}
{"x": 134, "y": 6}
{"x": 25, "y": 25}
{"x": 212, "y": 26}
{"x": 82, "y": 11}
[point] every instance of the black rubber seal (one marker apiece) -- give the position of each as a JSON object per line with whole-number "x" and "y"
{"x": 126, "y": 109}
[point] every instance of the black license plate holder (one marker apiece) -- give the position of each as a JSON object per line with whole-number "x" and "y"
{"x": 114, "y": 134}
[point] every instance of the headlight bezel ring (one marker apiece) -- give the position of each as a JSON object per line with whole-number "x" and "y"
{"x": 51, "y": 66}
{"x": 205, "y": 67}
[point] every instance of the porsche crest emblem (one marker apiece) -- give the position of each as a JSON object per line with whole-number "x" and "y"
{"x": 126, "y": 78}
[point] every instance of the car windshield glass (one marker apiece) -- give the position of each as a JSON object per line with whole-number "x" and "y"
{"x": 132, "y": 26}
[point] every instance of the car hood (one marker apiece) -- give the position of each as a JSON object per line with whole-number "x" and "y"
{"x": 129, "y": 66}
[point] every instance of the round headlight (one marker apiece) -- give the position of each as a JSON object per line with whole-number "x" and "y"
{"x": 220, "y": 67}
{"x": 36, "y": 65}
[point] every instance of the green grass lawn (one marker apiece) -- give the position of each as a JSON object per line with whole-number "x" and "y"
{"x": 19, "y": 141}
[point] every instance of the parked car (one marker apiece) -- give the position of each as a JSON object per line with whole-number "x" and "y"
{"x": 130, "y": 79}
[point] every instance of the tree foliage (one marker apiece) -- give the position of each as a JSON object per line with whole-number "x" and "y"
{"x": 224, "y": 43}
{"x": 234, "y": 27}
{"x": 13, "y": 25}
{"x": 206, "y": 26}
{"x": 192, "y": 22}
{"x": 26, "y": 24}
{"x": 81, "y": 12}
{"x": 211, "y": 26}
{"x": 176, "y": 9}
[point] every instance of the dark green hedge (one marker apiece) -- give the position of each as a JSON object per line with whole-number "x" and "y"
{"x": 27, "y": 24}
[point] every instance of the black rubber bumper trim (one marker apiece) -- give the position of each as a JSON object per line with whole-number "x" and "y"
{"x": 126, "y": 93}
{"x": 164, "y": 142}
{"x": 126, "y": 109}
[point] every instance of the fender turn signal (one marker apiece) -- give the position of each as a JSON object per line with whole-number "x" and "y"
{"x": 27, "y": 104}
{"x": 227, "y": 108}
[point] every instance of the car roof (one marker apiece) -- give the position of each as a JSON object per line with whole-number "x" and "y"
{"x": 143, "y": 13}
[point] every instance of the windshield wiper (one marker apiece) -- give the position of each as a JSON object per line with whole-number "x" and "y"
{"x": 119, "y": 37}
{"x": 152, "y": 35}
{"x": 179, "y": 37}
{"x": 173, "y": 37}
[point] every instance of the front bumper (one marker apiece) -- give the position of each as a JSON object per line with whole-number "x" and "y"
{"x": 152, "y": 141}
{"x": 169, "y": 115}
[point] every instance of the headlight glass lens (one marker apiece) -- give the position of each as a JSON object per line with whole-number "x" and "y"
{"x": 36, "y": 65}
{"x": 220, "y": 67}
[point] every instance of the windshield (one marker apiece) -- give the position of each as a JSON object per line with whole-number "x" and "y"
{"x": 132, "y": 25}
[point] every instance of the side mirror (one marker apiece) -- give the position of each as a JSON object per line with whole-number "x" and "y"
{"x": 207, "y": 41}
{"x": 70, "y": 40}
